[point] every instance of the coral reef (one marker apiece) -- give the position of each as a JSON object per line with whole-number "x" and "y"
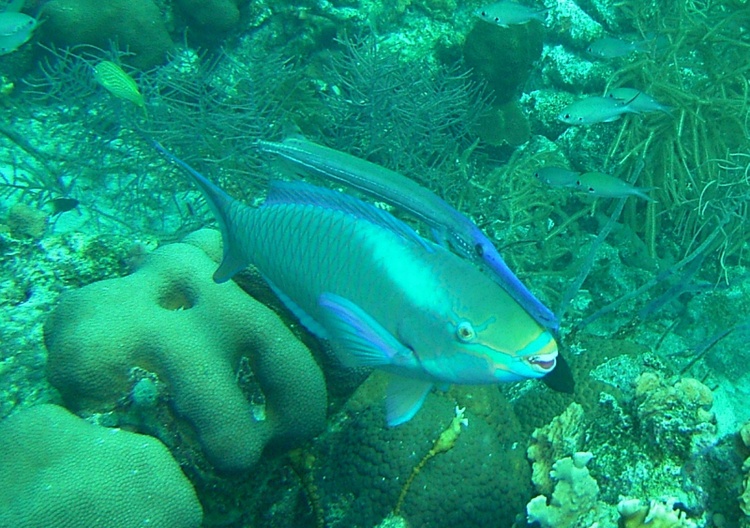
{"x": 58, "y": 470}
{"x": 363, "y": 467}
{"x": 213, "y": 15}
{"x": 211, "y": 346}
{"x": 675, "y": 416}
{"x": 562, "y": 437}
{"x": 657, "y": 514}
{"x": 502, "y": 57}
{"x": 136, "y": 25}
{"x": 574, "y": 501}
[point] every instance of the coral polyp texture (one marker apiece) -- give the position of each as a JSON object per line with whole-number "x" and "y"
{"x": 172, "y": 321}
{"x": 59, "y": 471}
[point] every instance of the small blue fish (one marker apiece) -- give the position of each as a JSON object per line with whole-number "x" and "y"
{"x": 377, "y": 293}
{"x": 506, "y": 14}
{"x": 15, "y": 29}
{"x": 606, "y": 186}
{"x": 595, "y": 109}
{"x": 639, "y": 101}
{"x": 557, "y": 177}
{"x": 610, "y": 48}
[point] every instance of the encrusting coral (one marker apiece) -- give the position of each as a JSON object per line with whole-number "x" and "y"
{"x": 575, "y": 499}
{"x": 57, "y": 470}
{"x": 170, "y": 318}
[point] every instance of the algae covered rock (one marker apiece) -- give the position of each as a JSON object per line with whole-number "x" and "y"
{"x": 503, "y": 57}
{"x": 136, "y": 25}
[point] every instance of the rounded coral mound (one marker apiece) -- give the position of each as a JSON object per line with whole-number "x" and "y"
{"x": 58, "y": 471}
{"x": 365, "y": 465}
{"x": 227, "y": 363}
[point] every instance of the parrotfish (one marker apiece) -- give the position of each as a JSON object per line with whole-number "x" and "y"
{"x": 606, "y": 186}
{"x": 353, "y": 274}
{"x": 557, "y": 177}
{"x": 595, "y": 109}
{"x": 449, "y": 226}
{"x": 114, "y": 79}
{"x": 15, "y": 30}
{"x": 506, "y": 14}
{"x": 610, "y": 48}
{"x": 640, "y": 101}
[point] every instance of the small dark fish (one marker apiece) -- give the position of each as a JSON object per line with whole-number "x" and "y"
{"x": 63, "y": 205}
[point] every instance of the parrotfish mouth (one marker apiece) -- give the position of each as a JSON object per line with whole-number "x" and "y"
{"x": 542, "y": 362}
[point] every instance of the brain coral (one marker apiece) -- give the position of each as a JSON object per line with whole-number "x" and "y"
{"x": 59, "y": 471}
{"x": 169, "y": 318}
{"x": 479, "y": 482}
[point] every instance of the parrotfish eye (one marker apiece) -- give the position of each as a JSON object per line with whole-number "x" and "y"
{"x": 465, "y": 332}
{"x": 566, "y": 116}
{"x": 483, "y": 13}
{"x": 497, "y": 19}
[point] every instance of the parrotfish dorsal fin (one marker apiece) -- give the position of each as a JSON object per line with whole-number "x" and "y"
{"x": 300, "y": 193}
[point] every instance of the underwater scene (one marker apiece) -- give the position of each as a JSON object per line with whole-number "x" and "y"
{"x": 375, "y": 263}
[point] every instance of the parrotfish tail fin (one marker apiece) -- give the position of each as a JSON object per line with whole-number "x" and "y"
{"x": 358, "y": 338}
{"x": 404, "y": 397}
{"x": 516, "y": 289}
{"x": 224, "y": 207}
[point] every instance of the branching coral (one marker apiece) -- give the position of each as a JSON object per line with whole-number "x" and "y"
{"x": 410, "y": 116}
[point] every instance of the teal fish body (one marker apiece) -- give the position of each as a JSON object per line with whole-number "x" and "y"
{"x": 639, "y": 101}
{"x": 506, "y": 13}
{"x": 610, "y": 48}
{"x": 557, "y": 176}
{"x": 383, "y": 297}
{"x": 595, "y": 109}
{"x": 606, "y": 186}
{"x": 15, "y": 30}
{"x": 449, "y": 227}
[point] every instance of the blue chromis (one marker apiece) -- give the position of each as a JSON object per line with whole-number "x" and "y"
{"x": 595, "y": 109}
{"x": 606, "y": 186}
{"x": 610, "y": 48}
{"x": 505, "y": 13}
{"x": 15, "y": 30}
{"x": 557, "y": 177}
{"x": 639, "y": 101}
{"x": 382, "y": 297}
{"x": 112, "y": 77}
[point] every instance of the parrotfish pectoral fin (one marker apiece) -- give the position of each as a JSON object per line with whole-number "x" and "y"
{"x": 221, "y": 205}
{"x": 404, "y": 397}
{"x": 362, "y": 341}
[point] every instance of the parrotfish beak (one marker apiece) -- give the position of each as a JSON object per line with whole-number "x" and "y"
{"x": 542, "y": 363}
{"x": 544, "y": 359}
